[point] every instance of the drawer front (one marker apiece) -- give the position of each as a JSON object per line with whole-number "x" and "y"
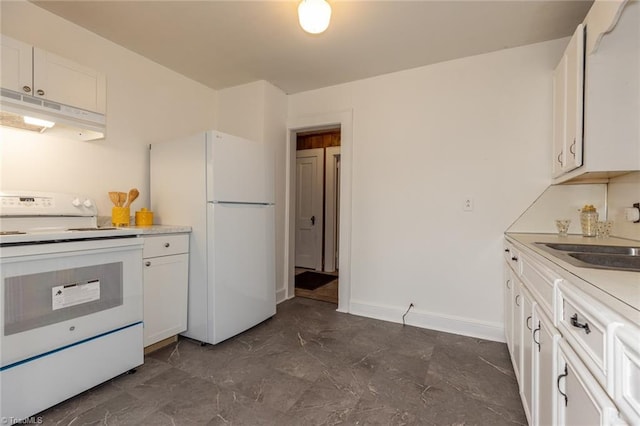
{"x": 588, "y": 326}
{"x": 541, "y": 281}
{"x": 165, "y": 245}
{"x": 627, "y": 372}
{"x": 512, "y": 257}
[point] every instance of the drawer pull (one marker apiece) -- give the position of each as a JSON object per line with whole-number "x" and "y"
{"x": 575, "y": 323}
{"x": 527, "y": 322}
{"x": 537, "y": 330}
{"x": 509, "y": 284}
{"x": 167, "y": 245}
{"x": 507, "y": 250}
{"x": 514, "y": 258}
{"x": 147, "y": 263}
{"x": 558, "y": 385}
{"x": 517, "y": 297}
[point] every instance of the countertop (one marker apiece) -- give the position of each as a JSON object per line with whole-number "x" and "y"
{"x": 620, "y": 290}
{"x": 161, "y": 229}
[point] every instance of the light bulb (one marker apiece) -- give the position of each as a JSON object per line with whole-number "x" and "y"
{"x": 314, "y": 15}
{"x": 38, "y": 122}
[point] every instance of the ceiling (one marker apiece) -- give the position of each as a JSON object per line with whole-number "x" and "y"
{"x": 227, "y": 43}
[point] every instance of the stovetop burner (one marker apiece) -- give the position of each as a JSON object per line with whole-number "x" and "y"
{"x": 28, "y": 218}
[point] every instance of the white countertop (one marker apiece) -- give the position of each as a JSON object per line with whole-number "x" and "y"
{"x": 162, "y": 229}
{"x": 619, "y": 290}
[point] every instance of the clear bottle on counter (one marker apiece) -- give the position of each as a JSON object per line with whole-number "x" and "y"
{"x": 589, "y": 220}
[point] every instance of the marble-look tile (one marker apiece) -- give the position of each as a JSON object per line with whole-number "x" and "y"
{"x": 311, "y": 365}
{"x": 123, "y": 409}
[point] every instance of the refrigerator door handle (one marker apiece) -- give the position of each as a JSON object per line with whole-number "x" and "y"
{"x": 246, "y": 203}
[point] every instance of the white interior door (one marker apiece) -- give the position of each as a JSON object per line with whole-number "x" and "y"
{"x": 309, "y": 209}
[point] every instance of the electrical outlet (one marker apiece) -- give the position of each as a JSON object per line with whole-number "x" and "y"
{"x": 468, "y": 204}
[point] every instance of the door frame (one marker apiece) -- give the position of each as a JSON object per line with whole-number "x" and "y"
{"x": 343, "y": 119}
{"x": 331, "y": 202}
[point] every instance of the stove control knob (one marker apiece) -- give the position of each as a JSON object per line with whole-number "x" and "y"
{"x": 87, "y": 203}
{"x": 76, "y": 202}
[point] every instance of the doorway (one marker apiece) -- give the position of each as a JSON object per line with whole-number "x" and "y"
{"x": 344, "y": 120}
{"x": 317, "y": 209}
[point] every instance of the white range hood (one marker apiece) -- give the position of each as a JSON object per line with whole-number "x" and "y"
{"x": 69, "y": 122}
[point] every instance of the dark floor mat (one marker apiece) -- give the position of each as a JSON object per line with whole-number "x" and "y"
{"x": 311, "y": 280}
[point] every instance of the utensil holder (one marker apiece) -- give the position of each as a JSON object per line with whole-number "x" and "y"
{"x": 120, "y": 216}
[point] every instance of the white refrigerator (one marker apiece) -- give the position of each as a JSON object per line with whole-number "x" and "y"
{"x": 223, "y": 187}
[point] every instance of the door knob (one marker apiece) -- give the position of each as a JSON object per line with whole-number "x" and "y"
{"x": 313, "y": 220}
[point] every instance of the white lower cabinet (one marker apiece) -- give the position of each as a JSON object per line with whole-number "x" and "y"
{"x": 166, "y": 272}
{"x": 527, "y": 372}
{"x": 577, "y": 362}
{"x": 626, "y": 374}
{"x": 545, "y": 338}
{"x": 581, "y": 400}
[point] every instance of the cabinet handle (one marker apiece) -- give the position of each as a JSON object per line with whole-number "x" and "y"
{"x": 508, "y": 284}
{"x": 167, "y": 245}
{"x": 26, "y": 89}
{"x": 558, "y": 385}
{"x": 527, "y": 322}
{"x": 537, "y": 330}
{"x": 517, "y": 296}
{"x": 576, "y": 324}
{"x": 40, "y": 92}
{"x": 514, "y": 258}
{"x": 572, "y": 148}
{"x": 147, "y": 263}
{"x": 507, "y": 250}
{"x": 560, "y": 158}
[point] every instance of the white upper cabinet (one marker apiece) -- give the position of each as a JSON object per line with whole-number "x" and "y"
{"x": 568, "y": 94}
{"x": 17, "y": 66}
{"x": 36, "y": 72}
{"x": 611, "y": 134}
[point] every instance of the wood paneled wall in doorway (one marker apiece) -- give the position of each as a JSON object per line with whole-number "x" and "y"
{"x": 318, "y": 139}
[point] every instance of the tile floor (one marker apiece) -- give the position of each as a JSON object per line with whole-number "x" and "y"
{"x": 310, "y": 365}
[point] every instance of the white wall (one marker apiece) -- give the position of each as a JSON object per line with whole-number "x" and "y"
{"x": 145, "y": 103}
{"x": 423, "y": 141}
{"x": 258, "y": 111}
{"x": 623, "y": 192}
{"x": 561, "y": 202}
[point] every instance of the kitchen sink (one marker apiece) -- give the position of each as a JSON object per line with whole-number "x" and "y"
{"x": 588, "y": 248}
{"x": 618, "y": 258}
{"x": 609, "y": 261}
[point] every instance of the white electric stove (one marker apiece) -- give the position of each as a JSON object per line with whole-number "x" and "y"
{"x": 70, "y": 300}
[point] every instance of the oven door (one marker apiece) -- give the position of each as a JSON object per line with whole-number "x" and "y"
{"x": 61, "y": 294}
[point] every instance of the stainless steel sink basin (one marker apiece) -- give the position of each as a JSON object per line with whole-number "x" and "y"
{"x": 609, "y": 261}
{"x": 588, "y": 248}
{"x": 617, "y": 258}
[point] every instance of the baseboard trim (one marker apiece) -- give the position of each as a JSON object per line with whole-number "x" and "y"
{"x": 281, "y": 296}
{"x": 433, "y": 321}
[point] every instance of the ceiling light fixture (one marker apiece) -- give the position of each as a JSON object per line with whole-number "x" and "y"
{"x": 314, "y": 15}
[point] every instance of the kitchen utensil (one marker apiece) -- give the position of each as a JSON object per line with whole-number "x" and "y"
{"x": 113, "y": 196}
{"x": 133, "y": 194}
{"x": 122, "y": 198}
